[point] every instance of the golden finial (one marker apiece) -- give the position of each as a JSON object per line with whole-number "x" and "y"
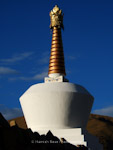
{"x": 56, "y": 17}
{"x": 56, "y": 63}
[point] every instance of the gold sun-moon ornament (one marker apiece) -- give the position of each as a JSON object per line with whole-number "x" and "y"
{"x": 56, "y": 17}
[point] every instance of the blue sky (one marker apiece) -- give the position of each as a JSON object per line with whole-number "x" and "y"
{"x": 25, "y": 42}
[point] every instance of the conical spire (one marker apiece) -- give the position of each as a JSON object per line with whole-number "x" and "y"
{"x": 56, "y": 63}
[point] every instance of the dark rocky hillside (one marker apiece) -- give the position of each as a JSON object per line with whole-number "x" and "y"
{"x": 12, "y": 137}
{"x": 19, "y": 137}
{"x": 102, "y": 127}
{"x": 98, "y": 125}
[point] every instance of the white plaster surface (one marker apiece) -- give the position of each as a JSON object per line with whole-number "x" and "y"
{"x": 56, "y": 106}
{"x": 63, "y": 108}
{"x": 54, "y": 75}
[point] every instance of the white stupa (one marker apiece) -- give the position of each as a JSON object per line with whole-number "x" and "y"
{"x": 56, "y": 104}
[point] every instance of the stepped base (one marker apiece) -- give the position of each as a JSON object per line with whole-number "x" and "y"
{"x": 75, "y": 136}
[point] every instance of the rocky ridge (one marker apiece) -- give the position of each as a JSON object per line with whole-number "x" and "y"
{"x": 21, "y": 137}
{"x": 13, "y": 137}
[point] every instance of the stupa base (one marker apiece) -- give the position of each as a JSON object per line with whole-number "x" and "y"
{"x": 75, "y": 136}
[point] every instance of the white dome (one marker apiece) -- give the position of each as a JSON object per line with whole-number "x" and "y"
{"x": 56, "y": 106}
